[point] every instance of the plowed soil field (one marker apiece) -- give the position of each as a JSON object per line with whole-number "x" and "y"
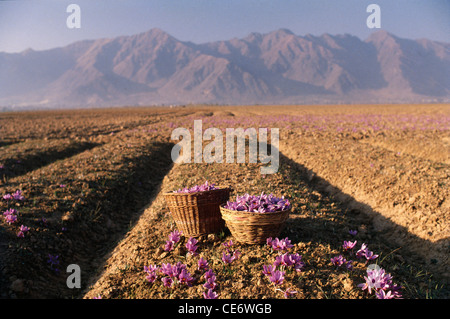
{"x": 92, "y": 183}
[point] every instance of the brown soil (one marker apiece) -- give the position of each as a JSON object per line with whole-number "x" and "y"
{"x": 115, "y": 165}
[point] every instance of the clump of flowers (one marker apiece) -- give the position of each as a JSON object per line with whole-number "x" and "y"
{"x": 230, "y": 255}
{"x": 279, "y": 244}
{"x": 289, "y": 260}
{"x": 174, "y": 238}
{"x": 283, "y": 261}
{"x": 366, "y": 253}
{"x": 259, "y": 203}
{"x": 176, "y": 273}
{"x": 197, "y": 188}
{"x": 17, "y": 195}
{"x": 381, "y": 283}
{"x": 152, "y": 273}
{"x": 210, "y": 285}
{"x": 10, "y": 215}
{"x": 341, "y": 261}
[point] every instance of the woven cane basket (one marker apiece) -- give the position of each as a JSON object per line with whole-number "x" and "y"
{"x": 254, "y": 228}
{"x": 197, "y": 214}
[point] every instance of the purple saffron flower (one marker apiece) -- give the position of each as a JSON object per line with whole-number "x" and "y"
{"x": 381, "y": 294}
{"x": 22, "y": 230}
{"x": 210, "y": 284}
{"x": 370, "y": 255}
{"x": 378, "y": 280}
{"x": 185, "y": 277}
{"x": 175, "y": 236}
{"x": 151, "y": 273}
{"x": 11, "y": 219}
{"x": 288, "y": 293}
{"x": 348, "y": 245}
{"x": 338, "y": 260}
{"x": 228, "y": 244}
{"x": 279, "y": 244}
{"x": 229, "y": 258}
{"x": 191, "y": 245}
{"x": 18, "y": 195}
{"x": 202, "y": 264}
{"x": 226, "y": 258}
{"x": 268, "y": 270}
{"x": 7, "y": 197}
{"x": 362, "y": 251}
{"x": 277, "y": 277}
{"x": 53, "y": 261}
{"x": 168, "y": 246}
{"x": 210, "y": 294}
{"x": 353, "y": 232}
{"x": 167, "y": 282}
{"x": 210, "y": 275}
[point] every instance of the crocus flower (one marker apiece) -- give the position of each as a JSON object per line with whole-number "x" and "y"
{"x": 268, "y": 270}
{"x": 353, "y": 232}
{"x": 348, "y": 245}
{"x": 338, "y": 260}
{"x": 22, "y": 230}
{"x": 191, "y": 245}
{"x": 53, "y": 261}
{"x": 151, "y": 273}
{"x": 378, "y": 280}
{"x": 228, "y": 244}
{"x": 18, "y": 195}
{"x": 277, "y": 277}
{"x": 229, "y": 258}
{"x": 370, "y": 255}
{"x": 210, "y": 274}
{"x": 175, "y": 236}
{"x": 10, "y": 219}
{"x": 210, "y": 283}
{"x": 289, "y": 293}
{"x": 185, "y": 277}
{"x": 210, "y": 294}
{"x": 362, "y": 251}
{"x": 279, "y": 244}
{"x": 381, "y": 294}
{"x": 202, "y": 264}
{"x": 167, "y": 281}
{"x": 168, "y": 246}
{"x": 7, "y": 197}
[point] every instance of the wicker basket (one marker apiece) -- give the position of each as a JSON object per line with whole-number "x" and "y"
{"x": 197, "y": 214}
{"x": 254, "y": 228}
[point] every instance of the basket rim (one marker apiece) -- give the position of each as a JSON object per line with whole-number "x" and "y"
{"x": 172, "y": 193}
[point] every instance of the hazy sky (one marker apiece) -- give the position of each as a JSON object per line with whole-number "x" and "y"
{"x": 41, "y": 24}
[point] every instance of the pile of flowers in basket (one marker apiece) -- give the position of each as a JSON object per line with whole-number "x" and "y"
{"x": 259, "y": 203}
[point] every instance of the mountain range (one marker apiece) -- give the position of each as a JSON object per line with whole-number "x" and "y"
{"x": 154, "y": 68}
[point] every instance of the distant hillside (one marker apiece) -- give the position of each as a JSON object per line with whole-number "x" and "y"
{"x": 278, "y": 67}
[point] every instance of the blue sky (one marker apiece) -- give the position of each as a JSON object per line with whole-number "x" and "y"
{"x": 41, "y": 24}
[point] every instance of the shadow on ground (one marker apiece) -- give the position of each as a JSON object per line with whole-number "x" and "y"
{"x": 349, "y": 214}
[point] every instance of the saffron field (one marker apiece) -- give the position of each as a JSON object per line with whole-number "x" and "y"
{"x": 368, "y": 186}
